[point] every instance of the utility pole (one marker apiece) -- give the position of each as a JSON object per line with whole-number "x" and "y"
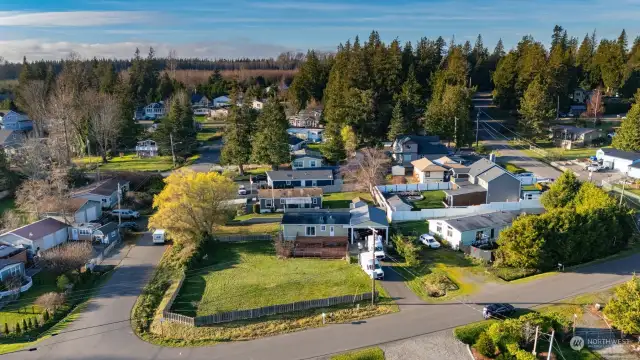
{"x": 119, "y": 212}
{"x": 553, "y": 332}
{"x": 455, "y": 131}
{"x": 622, "y": 193}
{"x": 477, "y": 123}
{"x": 173, "y": 154}
{"x": 535, "y": 342}
{"x": 558, "y": 109}
{"x": 373, "y": 270}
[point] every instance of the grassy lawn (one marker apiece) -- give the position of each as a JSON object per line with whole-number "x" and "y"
{"x": 209, "y": 134}
{"x": 314, "y": 146}
{"x": 559, "y": 154}
{"x": 261, "y": 170}
{"x": 367, "y": 354}
{"x": 258, "y": 216}
{"x": 200, "y": 118}
{"x": 411, "y": 228}
{"x": 512, "y": 168}
{"x": 24, "y": 307}
{"x": 529, "y": 188}
{"x": 432, "y": 200}
{"x": 130, "y": 163}
{"x": 252, "y": 229}
{"x": 249, "y": 275}
{"x": 343, "y": 199}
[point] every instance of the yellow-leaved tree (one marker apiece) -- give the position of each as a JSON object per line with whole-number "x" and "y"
{"x": 192, "y": 205}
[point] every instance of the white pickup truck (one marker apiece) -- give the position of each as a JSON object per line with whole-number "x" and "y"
{"x": 370, "y": 265}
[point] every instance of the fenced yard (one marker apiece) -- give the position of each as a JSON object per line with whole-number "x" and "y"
{"x": 342, "y": 200}
{"x": 432, "y": 200}
{"x": 248, "y": 275}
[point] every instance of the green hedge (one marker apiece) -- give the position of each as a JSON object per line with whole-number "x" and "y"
{"x": 469, "y": 334}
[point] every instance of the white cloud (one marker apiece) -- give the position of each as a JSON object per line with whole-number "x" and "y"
{"x": 34, "y": 49}
{"x": 72, "y": 18}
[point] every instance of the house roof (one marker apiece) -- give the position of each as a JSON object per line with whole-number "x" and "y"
{"x": 480, "y": 166}
{"x": 289, "y": 175}
{"x": 156, "y": 105}
{"x": 368, "y": 216}
{"x": 468, "y": 223}
{"x": 104, "y": 188}
{"x": 8, "y": 249}
{"x": 316, "y": 217}
{"x": 467, "y": 189}
{"x": 425, "y": 164}
{"x": 492, "y": 173}
{"x": 289, "y": 193}
{"x": 108, "y": 227}
{"x": 294, "y": 140}
{"x": 574, "y": 129}
{"x": 445, "y": 160}
{"x": 6, "y": 262}
{"x": 71, "y": 205}
{"x": 223, "y": 97}
{"x": 627, "y": 155}
{"x": 197, "y": 97}
{"x": 307, "y": 153}
{"x": 39, "y": 229}
{"x": 4, "y": 135}
{"x": 427, "y": 145}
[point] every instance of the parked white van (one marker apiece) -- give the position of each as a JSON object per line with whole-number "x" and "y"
{"x": 376, "y": 246}
{"x": 370, "y": 265}
{"x": 125, "y": 214}
{"x": 159, "y": 236}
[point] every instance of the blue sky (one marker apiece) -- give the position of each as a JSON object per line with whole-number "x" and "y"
{"x": 234, "y": 28}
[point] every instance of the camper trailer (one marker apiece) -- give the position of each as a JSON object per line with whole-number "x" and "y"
{"x": 159, "y": 236}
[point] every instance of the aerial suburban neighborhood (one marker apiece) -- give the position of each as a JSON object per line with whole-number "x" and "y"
{"x": 369, "y": 198}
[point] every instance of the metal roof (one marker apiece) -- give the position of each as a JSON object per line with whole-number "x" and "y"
{"x": 480, "y": 166}
{"x": 627, "y": 155}
{"x": 289, "y": 175}
{"x": 39, "y": 229}
{"x": 573, "y": 129}
{"x": 368, "y": 216}
{"x": 475, "y": 222}
{"x": 293, "y": 140}
{"x": 316, "y": 217}
{"x": 107, "y": 228}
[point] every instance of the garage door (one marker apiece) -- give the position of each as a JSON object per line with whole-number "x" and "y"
{"x": 91, "y": 213}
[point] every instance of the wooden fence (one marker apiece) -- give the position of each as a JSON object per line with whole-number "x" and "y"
{"x": 236, "y": 238}
{"x": 263, "y": 311}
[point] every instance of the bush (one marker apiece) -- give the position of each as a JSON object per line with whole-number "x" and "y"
{"x": 469, "y": 334}
{"x": 45, "y": 315}
{"x": 437, "y": 284}
{"x": 36, "y": 323}
{"x": 510, "y": 274}
{"x": 408, "y": 249}
{"x": 6, "y": 329}
{"x": 485, "y": 345}
{"x": 50, "y": 301}
{"x": 63, "y": 282}
{"x": 17, "y": 329}
{"x": 256, "y": 208}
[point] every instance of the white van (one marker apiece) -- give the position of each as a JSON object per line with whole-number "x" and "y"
{"x": 125, "y": 214}
{"x": 158, "y": 236}
{"x": 370, "y": 265}
{"x": 376, "y": 246}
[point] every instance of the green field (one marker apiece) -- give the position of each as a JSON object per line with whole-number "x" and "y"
{"x": 24, "y": 308}
{"x": 366, "y": 354}
{"x": 411, "y": 228}
{"x": 248, "y": 275}
{"x": 432, "y": 200}
{"x": 130, "y": 163}
{"x": 209, "y": 134}
{"x": 343, "y": 199}
{"x": 253, "y": 229}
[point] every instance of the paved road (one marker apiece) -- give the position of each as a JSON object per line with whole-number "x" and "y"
{"x": 117, "y": 341}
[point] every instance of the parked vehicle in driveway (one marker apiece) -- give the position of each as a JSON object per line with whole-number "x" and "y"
{"x": 370, "y": 265}
{"x": 125, "y": 214}
{"x": 497, "y": 311}
{"x": 242, "y": 190}
{"x": 375, "y": 245}
{"x": 129, "y": 225}
{"x": 595, "y": 167}
{"x": 429, "y": 241}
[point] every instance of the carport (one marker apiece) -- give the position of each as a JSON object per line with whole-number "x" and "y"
{"x": 367, "y": 220}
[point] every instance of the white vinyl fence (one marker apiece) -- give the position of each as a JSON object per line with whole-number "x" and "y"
{"x": 415, "y": 187}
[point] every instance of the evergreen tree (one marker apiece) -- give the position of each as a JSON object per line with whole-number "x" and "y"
{"x": 179, "y": 126}
{"x": 270, "y": 142}
{"x": 628, "y": 135}
{"x": 349, "y": 140}
{"x": 498, "y": 51}
{"x": 504, "y": 80}
{"x": 45, "y": 315}
{"x": 107, "y": 77}
{"x": 30, "y": 324}
{"x": 536, "y": 108}
{"x": 165, "y": 87}
{"x": 532, "y": 60}
{"x": 17, "y": 329}
{"x": 562, "y": 191}
{"x": 36, "y": 323}
{"x": 588, "y": 76}
{"x": 24, "y": 325}
{"x": 610, "y": 61}
{"x": 407, "y": 60}
{"x": 6, "y": 329}
{"x": 399, "y": 124}
{"x": 333, "y": 148}
{"x": 480, "y": 65}
{"x": 410, "y": 99}
{"x": 236, "y": 149}
{"x": 448, "y": 115}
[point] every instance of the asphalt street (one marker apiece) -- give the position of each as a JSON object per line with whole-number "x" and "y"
{"x": 89, "y": 338}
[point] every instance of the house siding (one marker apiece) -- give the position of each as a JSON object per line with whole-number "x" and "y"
{"x": 280, "y": 206}
{"x": 306, "y": 162}
{"x": 434, "y": 176}
{"x": 504, "y": 188}
{"x": 469, "y": 199}
{"x": 291, "y": 231}
{"x": 298, "y": 183}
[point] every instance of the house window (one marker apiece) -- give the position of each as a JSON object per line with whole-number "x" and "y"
{"x": 283, "y": 201}
{"x": 449, "y": 231}
{"x": 314, "y": 183}
{"x": 492, "y": 233}
{"x": 478, "y": 235}
{"x": 314, "y": 201}
{"x": 323, "y": 228}
{"x": 104, "y": 200}
{"x": 298, "y": 164}
{"x": 427, "y": 174}
{"x": 288, "y": 182}
{"x": 312, "y": 163}
{"x": 439, "y": 227}
{"x": 267, "y": 203}
{"x": 310, "y": 231}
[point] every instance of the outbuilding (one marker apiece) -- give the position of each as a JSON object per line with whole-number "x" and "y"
{"x": 38, "y": 236}
{"x": 617, "y": 159}
{"x": 466, "y": 230}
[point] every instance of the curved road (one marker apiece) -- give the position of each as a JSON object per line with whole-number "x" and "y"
{"x": 89, "y": 338}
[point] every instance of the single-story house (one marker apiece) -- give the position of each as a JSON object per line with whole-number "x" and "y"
{"x": 295, "y": 143}
{"x": 218, "y": 112}
{"x": 617, "y": 159}
{"x": 75, "y": 210}
{"x": 487, "y": 183}
{"x": 299, "y": 178}
{"x": 305, "y": 158}
{"x": 221, "y": 101}
{"x": 13, "y": 120}
{"x": 350, "y": 224}
{"x": 257, "y": 104}
{"x": 146, "y": 148}
{"x": 570, "y": 137}
{"x": 199, "y": 101}
{"x": 455, "y": 168}
{"x": 38, "y": 236}
{"x": 465, "y": 230}
{"x": 313, "y": 135}
{"x": 10, "y": 268}
{"x": 425, "y": 171}
{"x": 284, "y": 199}
{"x": 398, "y": 204}
{"x": 105, "y": 192}
{"x": 407, "y": 148}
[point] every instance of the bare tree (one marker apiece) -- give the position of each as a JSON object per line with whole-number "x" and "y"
{"x": 33, "y": 158}
{"x": 67, "y": 257}
{"x": 11, "y": 220}
{"x": 51, "y": 300}
{"x": 367, "y": 168}
{"x": 595, "y": 105}
{"x": 104, "y": 122}
{"x": 31, "y": 196}
{"x": 32, "y": 98}
{"x": 172, "y": 62}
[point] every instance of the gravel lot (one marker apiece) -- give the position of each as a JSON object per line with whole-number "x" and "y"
{"x": 437, "y": 346}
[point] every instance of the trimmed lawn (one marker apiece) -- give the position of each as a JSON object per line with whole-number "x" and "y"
{"x": 209, "y": 134}
{"x": 411, "y": 228}
{"x": 130, "y": 163}
{"x": 253, "y": 229}
{"x": 560, "y": 154}
{"x": 200, "y": 118}
{"x": 23, "y": 308}
{"x": 432, "y": 200}
{"x": 258, "y": 216}
{"x": 343, "y": 199}
{"x": 248, "y": 275}
{"x": 314, "y": 146}
{"x": 529, "y": 188}
{"x": 367, "y": 354}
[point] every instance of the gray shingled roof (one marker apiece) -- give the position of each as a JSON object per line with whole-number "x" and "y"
{"x": 368, "y": 216}
{"x": 306, "y": 153}
{"x": 39, "y": 229}
{"x": 107, "y": 228}
{"x": 495, "y": 219}
{"x": 492, "y": 173}
{"x": 293, "y": 140}
{"x": 290, "y": 175}
{"x": 577, "y": 131}
{"x": 480, "y": 166}
{"x": 316, "y": 217}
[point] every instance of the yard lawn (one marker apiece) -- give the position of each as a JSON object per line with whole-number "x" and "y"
{"x": 562, "y": 154}
{"x": 253, "y": 229}
{"x": 343, "y": 199}
{"x": 411, "y": 228}
{"x": 314, "y": 146}
{"x": 367, "y": 354}
{"x": 248, "y": 275}
{"x": 200, "y": 118}
{"x": 209, "y": 134}
{"x": 512, "y": 168}
{"x": 432, "y": 200}
{"x": 258, "y": 216}
{"x": 130, "y": 163}
{"x": 24, "y": 308}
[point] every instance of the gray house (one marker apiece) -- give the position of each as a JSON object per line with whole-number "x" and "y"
{"x": 305, "y": 159}
{"x": 466, "y": 230}
{"x": 285, "y": 199}
{"x": 487, "y": 183}
{"x": 284, "y": 179}
{"x": 105, "y": 192}
{"x": 407, "y": 148}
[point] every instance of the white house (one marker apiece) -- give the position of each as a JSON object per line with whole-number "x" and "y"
{"x": 313, "y": 135}
{"x": 198, "y": 101}
{"x": 221, "y": 101}
{"x": 38, "y": 236}
{"x": 257, "y": 104}
{"x": 304, "y": 159}
{"x": 75, "y": 210}
{"x": 147, "y": 148}
{"x": 12, "y": 120}
{"x": 155, "y": 110}
{"x": 105, "y": 192}
{"x": 466, "y": 230}
{"x": 617, "y": 159}
{"x": 425, "y": 171}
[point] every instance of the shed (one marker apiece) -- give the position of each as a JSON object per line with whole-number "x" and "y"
{"x": 465, "y": 230}
{"x": 398, "y": 170}
{"x": 108, "y": 233}
{"x": 38, "y": 236}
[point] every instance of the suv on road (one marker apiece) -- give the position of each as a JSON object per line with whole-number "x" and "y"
{"x": 125, "y": 214}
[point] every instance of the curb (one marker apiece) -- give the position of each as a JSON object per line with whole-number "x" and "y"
{"x": 470, "y": 353}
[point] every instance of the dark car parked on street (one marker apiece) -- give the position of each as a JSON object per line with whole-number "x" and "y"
{"x": 497, "y": 311}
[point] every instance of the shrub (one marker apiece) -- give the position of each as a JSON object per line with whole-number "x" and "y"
{"x": 6, "y": 329}
{"x": 437, "y": 284}
{"x": 50, "y": 301}
{"x": 45, "y": 315}
{"x": 67, "y": 257}
{"x": 30, "y": 324}
{"x": 62, "y": 282}
{"x": 408, "y": 249}
{"x": 469, "y": 334}
{"x": 485, "y": 345}
{"x": 256, "y": 208}
{"x": 17, "y": 329}
{"x": 36, "y": 323}
{"x": 24, "y": 325}
{"x": 510, "y": 274}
